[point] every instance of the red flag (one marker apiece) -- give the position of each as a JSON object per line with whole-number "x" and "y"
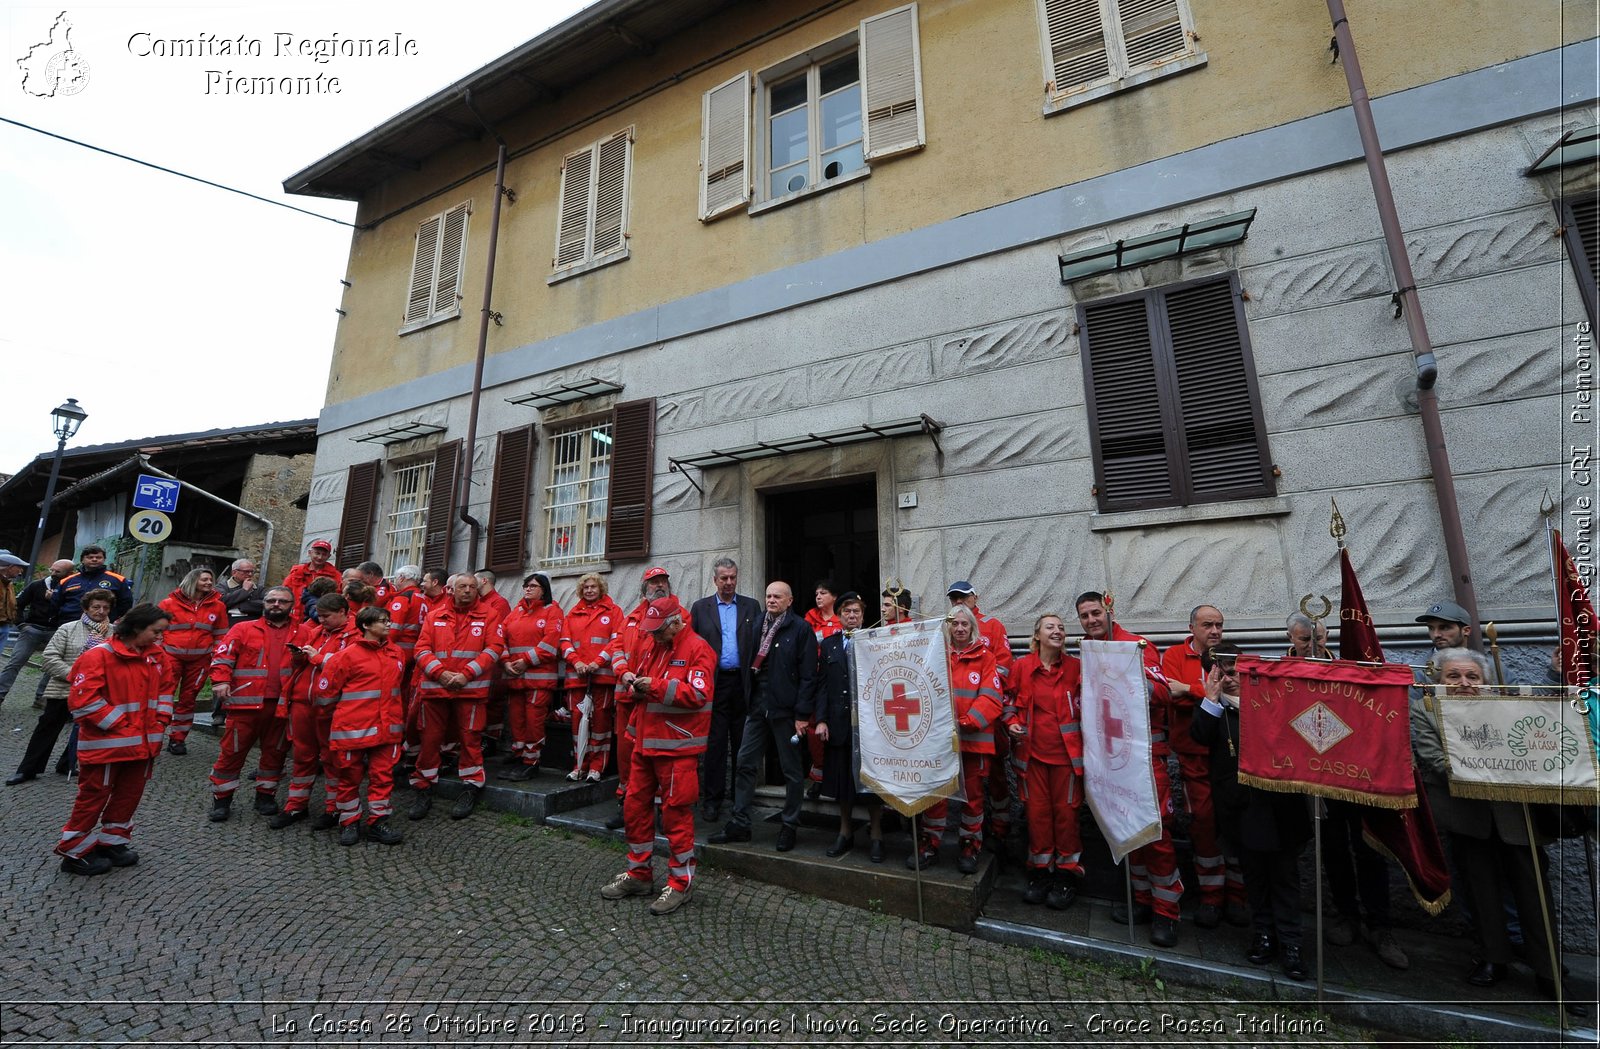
{"x": 1410, "y": 838}
{"x": 1576, "y": 615}
{"x": 1358, "y": 638}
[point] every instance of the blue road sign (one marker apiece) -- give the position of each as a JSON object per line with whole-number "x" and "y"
{"x": 155, "y": 493}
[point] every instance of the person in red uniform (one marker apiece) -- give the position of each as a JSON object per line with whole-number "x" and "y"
{"x": 992, "y": 635}
{"x": 495, "y": 725}
{"x": 673, "y": 683}
{"x": 367, "y": 728}
{"x": 976, "y": 691}
{"x": 896, "y": 607}
{"x": 310, "y": 709}
{"x": 1042, "y": 721}
{"x": 371, "y": 573}
{"x": 250, "y": 671}
{"x": 630, "y": 641}
{"x": 315, "y": 566}
{"x": 458, "y": 648}
{"x": 404, "y": 605}
{"x": 823, "y": 620}
{"x": 589, "y": 645}
{"x": 486, "y": 590}
{"x": 1221, "y": 877}
{"x": 1157, "y": 887}
{"x": 120, "y": 700}
{"x": 533, "y": 636}
{"x": 196, "y": 620}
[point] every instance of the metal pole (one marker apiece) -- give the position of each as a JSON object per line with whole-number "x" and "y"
{"x": 1317, "y": 813}
{"x": 916, "y": 850}
{"x": 44, "y": 507}
{"x": 1127, "y": 870}
{"x": 1544, "y": 913}
{"x": 261, "y": 566}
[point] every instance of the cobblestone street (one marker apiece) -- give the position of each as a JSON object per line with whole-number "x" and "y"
{"x": 492, "y": 931}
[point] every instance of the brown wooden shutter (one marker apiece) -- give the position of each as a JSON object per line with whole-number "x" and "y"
{"x": 508, "y": 506}
{"x": 1128, "y": 427}
{"x": 633, "y": 429}
{"x": 1581, "y": 217}
{"x": 360, "y": 510}
{"x": 441, "y": 508}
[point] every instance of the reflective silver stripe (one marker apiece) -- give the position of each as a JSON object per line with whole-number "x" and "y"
{"x": 520, "y": 650}
{"x": 675, "y": 744}
{"x": 663, "y": 708}
{"x": 250, "y": 673}
{"x": 982, "y": 721}
{"x": 188, "y": 651}
{"x": 545, "y": 646}
{"x": 89, "y": 709}
{"x": 372, "y": 693}
{"x": 465, "y": 653}
{"x": 359, "y": 733}
{"x": 113, "y": 743}
{"x": 325, "y": 701}
{"x": 599, "y": 640}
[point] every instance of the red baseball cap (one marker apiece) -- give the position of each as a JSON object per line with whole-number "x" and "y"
{"x": 656, "y": 616}
{"x": 653, "y": 573}
{"x": 321, "y": 544}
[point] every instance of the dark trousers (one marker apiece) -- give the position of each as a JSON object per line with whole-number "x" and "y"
{"x": 727, "y": 733}
{"x": 28, "y": 641}
{"x": 1489, "y": 868}
{"x": 45, "y": 733}
{"x": 1272, "y": 885}
{"x": 758, "y": 728}
{"x": 1358, "y": 876}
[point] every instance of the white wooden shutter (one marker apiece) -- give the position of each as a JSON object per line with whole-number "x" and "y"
{"x": 1075, "y": 45}
{"x": 424, "y": 266}
{"x": 612, "y": 171}
{"x": 452, "y": 258}
{"x": 891, "y": 83}
{"x": 725, "y": 147}
{"x": 1152, "y": 32}
{"x": 572, "y": 226}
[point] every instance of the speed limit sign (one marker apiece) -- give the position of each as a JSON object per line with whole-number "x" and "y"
{"x": 150, "y": 526}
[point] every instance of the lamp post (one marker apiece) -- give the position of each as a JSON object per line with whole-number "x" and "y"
{"x": 64, "y": 421}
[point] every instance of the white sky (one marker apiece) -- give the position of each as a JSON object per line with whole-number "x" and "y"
{"x": 163, "y": 305}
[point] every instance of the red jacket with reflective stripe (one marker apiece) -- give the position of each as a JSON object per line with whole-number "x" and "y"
{"x": 328, "y": 643}
{"x": 1035, "y": 691}
{"x": 302, "y": 576}
{"x": 674, "y": 719}
{"x": 240, "y": 662}
{"x": 193, "y": 627}
{"x": 823, "y": 626}
{"x": 1182, "y": 663}
{"x": 975, "y": 688}
{"x": 122, "y": 702}
{"x": 368, "y": 711}
{"x": 464, "y": 641}
{"x": 1160, "y": 693}
{"x": 590, "y": 635}
{"x": 533, "y": 634}
{"x": 405, "y": 618}
{"x": 992, "y": 635}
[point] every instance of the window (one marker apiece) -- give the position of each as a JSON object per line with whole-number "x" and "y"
{"x": 1095, "y": 47}
{"x": 576, "y": 498}
{"x": 821, "y": 116}
{"x": 1174, "y": 410}
{"x": 437, "y": 265}
{"x": 408, "y": 518}
{"x": 1580, "y": 220}
{"x": 592, "y": 217}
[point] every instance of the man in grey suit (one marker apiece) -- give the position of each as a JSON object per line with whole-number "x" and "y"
{"x": 728, "y": 621}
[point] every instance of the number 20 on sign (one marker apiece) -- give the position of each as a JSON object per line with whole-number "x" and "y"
{"x": 150, "y": 526}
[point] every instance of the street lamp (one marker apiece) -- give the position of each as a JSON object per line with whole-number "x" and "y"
{"x": 64, "y": 422}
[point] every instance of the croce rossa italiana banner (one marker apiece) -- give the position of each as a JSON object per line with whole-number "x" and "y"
{"x": 905, "y": 723}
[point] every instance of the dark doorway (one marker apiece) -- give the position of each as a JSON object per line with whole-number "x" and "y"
{"x": 825, "y": 532}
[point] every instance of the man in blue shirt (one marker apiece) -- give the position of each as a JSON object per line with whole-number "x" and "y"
{"x": 728, "y": 621}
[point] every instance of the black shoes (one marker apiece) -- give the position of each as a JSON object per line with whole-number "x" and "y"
{"x": 925, "y": 856}
{"x": 814, "y": 791}
{"x": 266, "y": 804}
{"x": 1208, "y": 916}
{"x": 786, "y": 837}
{"x": 350, "y": 833}
{"x": 421, "y": 807}
{"x": 841, "y": 845}
{"x": 381, "y": 832}
{"x": 711, "y": 810}
{"x": 1141, "y": 913}
{"x": 325, "y": 821}
{"x": 88, "y": 866}
{"x": 1062, "y": 893}
{"x": 1263, "y": 948}
{"x": 20, "y": 777}
{"x": 616, "y": 822}
{"x": 119, "y": 855}
{"x": 1486, "y": 974}
{"x": 286, "y": 817}
{"x": 1163, "y": 932}
{"x": 466, "y": 803}
{"x": 221, "y": 809}
{"x": 178, "y": 747}
{"x": 1293, "y": 967}
{"x": 967, "y": 862}
{"x": 519, "y": 773}
{"x": 732, "y": 832}
{"x": 875, "y": 851}
{"x": 1038, "y": 888}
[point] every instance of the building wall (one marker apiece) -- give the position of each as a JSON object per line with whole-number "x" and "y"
{"x": 273, "y": 485}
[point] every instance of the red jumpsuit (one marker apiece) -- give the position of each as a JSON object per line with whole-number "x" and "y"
{"x": 368, "y": 725}
{"x": 975, "y": 690}
{"x": 1154, "y": 867}
{"x": 672, "y": 723}
{"x": 630, "y": 642}
{"x": 1045, "y": 704}
{"x": 992, "y": 636}
{"x": 533, "y": 637}
{"x": 463, "y": 641}
{"x": 590, "y": 635}
{"x": 1219, "y": 879}
{"x": 254, "y": 661}
{"x": 311, "y": 712}
{"x": 193, "y": 630}
{"x": 303, "y": 575}
{"x": 118, "y": 703}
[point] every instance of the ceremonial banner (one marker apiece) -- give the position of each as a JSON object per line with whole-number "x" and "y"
{"x": 1358, "y": 638}
{"x": 1337, "y": 729}
{"x": 1411, "y": 839}
{"x": 1518, "y": 746}
{"x": 1576, "y": 615}
{"x": 1114, "y": 714}
{"x": 905, "y": 721}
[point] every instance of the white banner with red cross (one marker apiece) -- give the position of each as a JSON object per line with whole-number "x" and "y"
{"x": 905, "y": 722}
{"x": 1114, "y": 714}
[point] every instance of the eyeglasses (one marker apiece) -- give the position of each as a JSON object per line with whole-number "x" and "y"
{"x": 277, "y": 601}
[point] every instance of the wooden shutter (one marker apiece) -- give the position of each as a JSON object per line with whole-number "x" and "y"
{"x": 1224, "y": 437}
{"x": 891, "y": 83}
{"x": 452, "y": 259}
{"x": 725, "y": 147}
{"x": 1128, "y": 428}
{"x": 508, "y": 505}
{"x": 572, "y": 224}
{"x": 360, "y": 510}
{"x": 1152, "y": 32}
{"x": 612, "y": 172}
{"x": 441, "y": 507}
{"x": 1580, "y": 217}
{"x": 424, "y": 266}
{"x": 633, "y": 429}
{"x": 1075, "y": 45}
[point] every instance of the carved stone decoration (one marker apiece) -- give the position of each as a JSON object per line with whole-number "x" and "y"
{"x": 1484, "y": 245}
{"x": 920, "y": 569}
{"x": 680, "y": 413}
{"x": 864, "y": 373}
{"x": 1343, "y": 393}
{"x": 1011, "y": 441}
{"x": 1020, "y": 569}
{"x": 753, "y": 397}
{"x": 1499, "y": 370}
{"x": 1506, "y": 541}
{"x": 328, "y": 488}
{"x": 1020, "y": 341}
{"x": 1317, "y": 280}
{"x": 1159, "y": 578}
{"x": 1393, "y": 537}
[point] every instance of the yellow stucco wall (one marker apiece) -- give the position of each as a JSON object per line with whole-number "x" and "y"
{"x": 987, "y": 143}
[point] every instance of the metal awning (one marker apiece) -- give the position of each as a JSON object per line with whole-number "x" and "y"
{"x": 400, "y": 432}
{"x": 1163, "y": 244}
{"x": 566, "y": 393}
{"x": 809, "y": 442}
{"x": 1574, "y": 147}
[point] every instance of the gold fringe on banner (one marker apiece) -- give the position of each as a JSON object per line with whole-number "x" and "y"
{"x": 942, "y": 792}
{"x": 1433, "y": 907}
{"x": 1461, "y": 788}
{"x": 1358, "y": 797}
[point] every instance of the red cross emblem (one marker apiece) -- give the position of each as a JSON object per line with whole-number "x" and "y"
{"x": 902, "y": 707}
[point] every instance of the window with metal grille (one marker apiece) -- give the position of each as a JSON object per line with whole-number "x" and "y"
{"x": 1580, "y": 220}
{"x": 1174, "y": 409}
{"x": 578, "y": 494}
{"x": 408, "y": 515}
{"x": 1089, "y": 43}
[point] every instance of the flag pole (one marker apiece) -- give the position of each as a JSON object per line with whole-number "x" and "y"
{"x": 1544, "y": 913}
{"x": 1127, "y": 861}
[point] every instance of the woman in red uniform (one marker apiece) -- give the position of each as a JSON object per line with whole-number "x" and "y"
{"x": 589, "y": 644}
{"x": 368, "y": 724}
{"x": 533, "y": 639}
{"x": 121, "y": 699}
{"x": 1042, "y": 720}
{"x": 196, "y": 620}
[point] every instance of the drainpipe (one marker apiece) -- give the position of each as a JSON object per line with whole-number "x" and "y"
{"x": 464, "y": 482}
{"x": 1444, "y": 486}
{"x": 266, "y": 549}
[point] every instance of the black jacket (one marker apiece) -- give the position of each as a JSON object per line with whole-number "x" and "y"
{"x": 73, "y": 588}
{"x": 705, "y": 620}
{"x": 789, "y": 671}
{"x": 1249, "y": 817}
{"x": 35, "y": 607}
{"x": 829, "y": 698}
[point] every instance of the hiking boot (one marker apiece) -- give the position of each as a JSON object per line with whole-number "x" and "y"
{"x": 626, "y": 884}
{"x": 383, "y": 833}
{"x": 616, "y": 822}
{"x": 465, "y": 804}
{"x": 1038, "y": 888}
{"x": 421, "y": 807}
{"x": 349, "y": 834}
{"x": 178, "y": 747}
{"x": 221, "y": 809}
{"x": 518, "y": 774}
{"x": 286, "y": 817}
{"x": 1208, "y": 916}
{"x": 669, "y": 900}
{"x": 88, "y": 866}
{"x": 324, "y": 821}
{"x": 1163, "y": 932}
{"x": 1141, "y": 913}
{"x": 266, "y": 804}
{"x": 1062, "y": 893}
{"x": 119, "y": 855}
{"x": 1382, "y": 943}
{"x": 967, "y": 863}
